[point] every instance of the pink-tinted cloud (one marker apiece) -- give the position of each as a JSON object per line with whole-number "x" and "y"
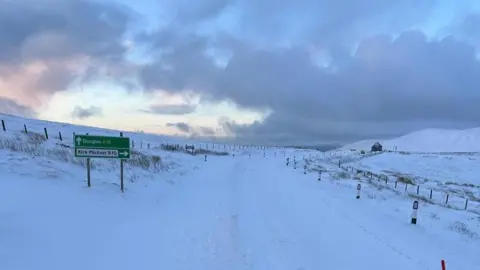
{"x": 46, "y": 45}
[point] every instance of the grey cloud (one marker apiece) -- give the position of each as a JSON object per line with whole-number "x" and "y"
{"x": 59, "y": 35}
{"x": 388, "y": 86}
{"x": 55, "y": 78}
{"x": 197, "y": 11}
{"x": 60, "y": 29}
{"x": 206, "y": 131}
{"x": 434, "y": 80}
{"x": 328, "y": 21}
{"x": 183, "y": 127}
{"x": 470, "y": 28}
{"x": 387, "y": 80}
{"x": 83, "y": 113}
{"x": 287, "y": 130}
{"x": 193, "y": 131}
{"x": 181, "y": 109}
{"x": 9, "y": 106}
{"x": 185, "y": 59}
{"x": 321, "y": 20}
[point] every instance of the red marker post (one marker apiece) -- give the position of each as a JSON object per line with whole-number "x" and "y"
{"x": 443, "y": 265}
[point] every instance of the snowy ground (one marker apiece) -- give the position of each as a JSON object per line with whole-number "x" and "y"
{"x": 462, "y": 169}
{"x": 428, "y": 140}
{"x": 455, "y": 175}
{"x": 247, "y": 211}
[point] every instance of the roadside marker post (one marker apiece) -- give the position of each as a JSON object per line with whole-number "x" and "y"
{"x": 359, "y": 187}
{"x": 414, "y": 212}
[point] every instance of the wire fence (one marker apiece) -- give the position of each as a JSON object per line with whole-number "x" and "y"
{"x": 452, "y": 199}
{"x": 62, "y": 133}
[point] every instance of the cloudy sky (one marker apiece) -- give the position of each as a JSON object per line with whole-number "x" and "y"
{"x": 265, "y": 71}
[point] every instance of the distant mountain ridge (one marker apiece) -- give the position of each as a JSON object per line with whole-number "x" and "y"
{"x": 321, "y": 147}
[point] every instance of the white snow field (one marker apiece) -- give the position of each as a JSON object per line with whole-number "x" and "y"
{"x": 429, "y": 140}
{"x": 435, "y": 163}
{"x": 247, "y": 211}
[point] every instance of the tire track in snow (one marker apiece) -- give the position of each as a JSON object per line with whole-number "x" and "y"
{"x": 373, "y": 235}
{"x": 239, "y": 256}
{"x": 266, "y": 227}
{"x": 303, "y": 206}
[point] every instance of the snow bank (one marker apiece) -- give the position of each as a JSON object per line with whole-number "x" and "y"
{"x": 429, "y": 140}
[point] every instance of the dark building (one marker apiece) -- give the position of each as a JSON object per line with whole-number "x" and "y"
{"x": 377, "y": 147}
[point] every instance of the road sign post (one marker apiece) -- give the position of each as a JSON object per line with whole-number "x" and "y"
{"x": 88, "y": 173}
{"x": 102, "y": 147}
{"x": 121, "y": 170}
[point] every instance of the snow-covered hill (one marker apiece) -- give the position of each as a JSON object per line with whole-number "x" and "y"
{"x": 245, "y": 210}
{"x": 429, "y": 140}
{"x": 46, "y": 150}
{"x": 435, "y": 161}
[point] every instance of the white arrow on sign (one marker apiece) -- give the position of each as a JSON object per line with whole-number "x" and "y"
{"x": 125, "y": 153}
{"x": 79, "y": 140}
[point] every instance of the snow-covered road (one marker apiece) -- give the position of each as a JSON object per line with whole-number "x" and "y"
{"x": 230, "y": 214}
{"x": 284, "y": 228}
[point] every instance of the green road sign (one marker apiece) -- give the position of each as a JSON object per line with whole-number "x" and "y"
{"x": 101, "y": 147}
